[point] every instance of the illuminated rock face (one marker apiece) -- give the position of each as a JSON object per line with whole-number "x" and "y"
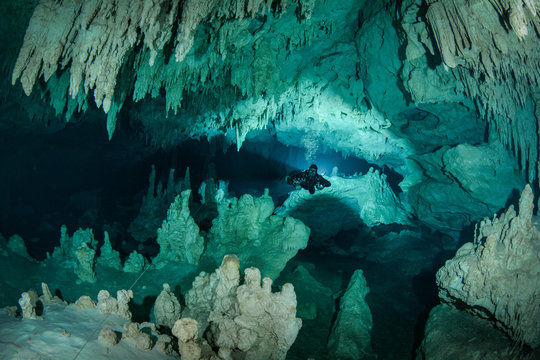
{"x": 463, "y": 184}
{"x": 247, "y": 227}
{"x": 498, "y": 275}
{"x": 178, "y": 237}
{"x": 246, "y": 319}
{"x": 96, "y": 40}
{"x": 347, "y": 204}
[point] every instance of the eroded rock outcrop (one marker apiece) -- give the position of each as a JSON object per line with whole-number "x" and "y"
{"x": 178, "y": 237}
{"x": 244, "y": 319}
{"x": 27, "y": 302}
{"x": 248, "y": 228}
{"x": 167, "y": 309}
{"x": 92, "y": 42}
{"x": 108, "y": 256}
{"x": 454, "y": 334}
{"x": 117, "y": 306}
{"x": 348, "y": 203}
{"x": 135, "y": 263}
{"x": 155, "y": 204}
{"x": 95, "y": 40}
{"x": 491, "y": 49}
{"x": 351, "y": 333}
{"x": 498, "y": 274}
{"x": 463, "y": 183}
{"x": 78, "y": 250}
{"x": 16, "y": 244}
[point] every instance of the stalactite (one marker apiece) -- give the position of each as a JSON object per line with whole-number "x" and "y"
{"x": 500, "y": 71}
{"x": 92, "y": 40}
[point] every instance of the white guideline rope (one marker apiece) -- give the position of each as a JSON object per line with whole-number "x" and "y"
{"x": 132, "y": 285}
{"x": 106, "y": 317}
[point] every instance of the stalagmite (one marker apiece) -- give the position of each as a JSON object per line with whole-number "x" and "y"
{"x": 498, "y": 274}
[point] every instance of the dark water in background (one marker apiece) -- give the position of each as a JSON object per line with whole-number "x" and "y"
{"x": 78, "y": 178}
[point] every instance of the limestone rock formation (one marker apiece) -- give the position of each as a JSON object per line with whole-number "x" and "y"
{"x": 186, "y": 331}
{"x": 78, "y": 249}
{"x": 108, "y": 256}
{"x": 314, "y": 299}
{"x": 16, "y": 244}
{"x": 119, "y": 306}
{"x": 63, "y": 326}
{"x": 108, "y": 337}
{"x": 367, "y": 134}
{"x": 208, "y": 288}
{"x": 167, "y": 309}
{"x": 496, "y": 64}
{"x": 178, "y": 237}
{"x": 32, "y": 305}
{"x": 155, "y": 204}
{"x": 84, "y": 302}
{"x": 27, "y": 302}
{"x": 95, "y": 46}
{"x": 348, "y": 203}
{"x": 163, "y": 344}
{"x": 91, "y": 42}
{"x": 135, "y": 263}
{"x": 498, "y": 274}
{"x": 462, "y": 184}
{"x": 248, "y": 228}
{"x": 377, "y": 43}
{"x": 142, "y": 340}
{"x": 351, "y": 333}
{"x": 454, "y": 334}
{"x": 84, "y": 267}
{"x": 70, "y": 244}
{"x": 47, "y": 297}
{"x": 244, "y": 319}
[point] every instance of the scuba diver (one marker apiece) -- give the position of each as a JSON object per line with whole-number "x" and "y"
{"x": 308, "y": 179}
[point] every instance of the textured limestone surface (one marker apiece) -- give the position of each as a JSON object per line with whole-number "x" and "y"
{"x": 178, "y": 237}
{"x": 491, "y": 49}
{"x": 247, "y": 319}
{"x": 348, "y": 203}
{"x": 79, "y": 330}
{"x": 454, "y": 334}
{"x": 384, "y": 81}
{"x": 167, "y": 309}
{"x": 108, "y": 256}
{"x": 498, "y": 274}
{"x": 247, "y": 227}
{"x": 351, "y": 333}
{"x": 462, "y": 184}
{"x": 77, "y": 251}
{"x": 118, "y": 306}
{"x": 155, "y": 203}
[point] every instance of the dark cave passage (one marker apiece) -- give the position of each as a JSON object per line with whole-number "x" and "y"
{"x": 78, "y": 178}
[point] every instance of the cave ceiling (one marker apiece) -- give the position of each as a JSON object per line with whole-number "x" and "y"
{"x": 442, "y": 91}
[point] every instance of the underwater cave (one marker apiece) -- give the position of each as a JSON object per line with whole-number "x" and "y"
{"x": 158, "y": 198}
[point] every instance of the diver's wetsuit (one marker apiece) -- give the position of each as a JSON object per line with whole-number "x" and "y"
{"x": 308, "y": 179}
